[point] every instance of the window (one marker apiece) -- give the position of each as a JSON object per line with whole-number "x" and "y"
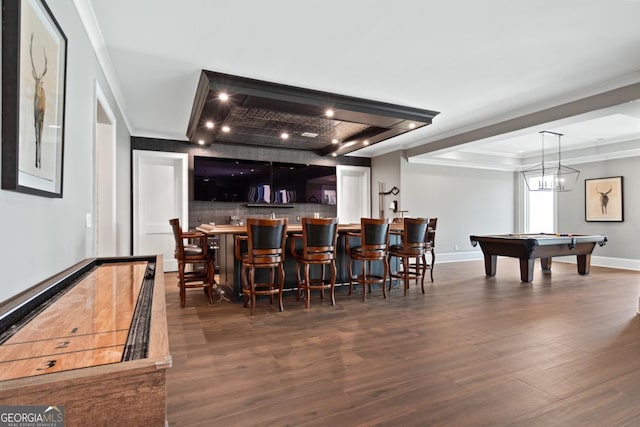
{"x": 540, "y": 211}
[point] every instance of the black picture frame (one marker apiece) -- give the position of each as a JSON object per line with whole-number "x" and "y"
{"x": 603, "y": 199}
{"x": 34, "y": 64}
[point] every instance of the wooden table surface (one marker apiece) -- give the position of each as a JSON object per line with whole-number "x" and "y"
{"x": 291, "y": 228}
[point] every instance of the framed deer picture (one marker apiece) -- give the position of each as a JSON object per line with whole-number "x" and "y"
{"x": 603, "y": 199}
{"x": 34, "y": 60}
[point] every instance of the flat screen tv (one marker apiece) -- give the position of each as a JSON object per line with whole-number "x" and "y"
{"x": 249, "y": 181}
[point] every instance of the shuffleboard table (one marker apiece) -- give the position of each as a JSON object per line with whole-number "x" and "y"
{"x": 528, "y": 247}
{"x": 92, "y": 339}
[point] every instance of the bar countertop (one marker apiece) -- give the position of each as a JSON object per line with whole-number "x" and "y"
{"x": 291, "y": 228}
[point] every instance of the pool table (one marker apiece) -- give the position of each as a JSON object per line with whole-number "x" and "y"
{"x": 528, "y": 247}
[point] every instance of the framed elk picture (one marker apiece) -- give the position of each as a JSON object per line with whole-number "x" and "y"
{"x": 603, "y": 199}
{"x": 34, "y": 57}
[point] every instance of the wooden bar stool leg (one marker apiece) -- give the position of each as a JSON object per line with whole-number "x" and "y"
{"x": 272, "y": 278}
{"x": 423, "y": 266}
{"x": 350, "y": 274}
{"x": 307, "y": 278}
{"x": 333, "y": 283}
{"x": 182, "y": 284}
{"x": 211, "y": 273}
{"x": 384, "y": 277}
{"x": 298, "y": 282}
{"x": 364, "y": 281}
{"x": 281, "y": 286}
{"x": 433, "y": 262}
{"x": 390, "y": 278}
{"x": 321, "y": 281}
{"x": 253, "y": 290}
{"x": 405, "y": 271}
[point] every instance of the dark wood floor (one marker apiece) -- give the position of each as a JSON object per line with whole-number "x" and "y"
{"x": 562, "y": 351}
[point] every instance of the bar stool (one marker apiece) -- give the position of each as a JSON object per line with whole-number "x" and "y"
{"x": 196, "y": 255}
{"x": 431, "y": 241}
{"x": 318, "y": 237}
{"x": 412, "y": 245}
{"x": 374, "y": 241}
{"x": 265, "y": 250}
{"x": 421, "y": 264}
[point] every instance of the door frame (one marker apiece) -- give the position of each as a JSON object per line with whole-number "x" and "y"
{"x": 182, "y": 174}
{"x": 363, "y": 173}
{"x": 105, "y": 184}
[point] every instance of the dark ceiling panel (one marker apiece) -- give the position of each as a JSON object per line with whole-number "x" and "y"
{"x": 259, "y": 113}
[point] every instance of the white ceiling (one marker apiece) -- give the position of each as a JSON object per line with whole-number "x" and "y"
{"x": 478, "y": 63}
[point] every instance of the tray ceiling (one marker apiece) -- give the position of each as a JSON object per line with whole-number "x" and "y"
{"x": 237, "y": 110}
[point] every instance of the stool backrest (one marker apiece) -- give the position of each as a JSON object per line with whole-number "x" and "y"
{"x": 431, "y": 232}
{"x": 375, "y": 234}
{"x": 177, "y": 235}
{"x": 319, "y": 237}
{"x": 266, "y": 239}
{"x": 414, "y": 234}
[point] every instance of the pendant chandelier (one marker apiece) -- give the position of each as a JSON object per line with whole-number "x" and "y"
{"x": 551, "y": 176}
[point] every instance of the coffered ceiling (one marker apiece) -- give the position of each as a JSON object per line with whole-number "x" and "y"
{"x": 490, "y": 68}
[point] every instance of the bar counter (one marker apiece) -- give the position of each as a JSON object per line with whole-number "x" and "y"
{"x": 229, "y": 268}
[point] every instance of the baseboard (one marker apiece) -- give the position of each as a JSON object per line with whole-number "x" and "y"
{"x": 458, "y": 256}
{"x": 600, "y": 261}
{"x": 603, "y": 261}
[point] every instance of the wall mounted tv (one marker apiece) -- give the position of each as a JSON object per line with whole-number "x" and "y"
{"x": 259, "y": 182}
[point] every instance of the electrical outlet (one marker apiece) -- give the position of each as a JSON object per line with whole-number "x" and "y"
{"x": 455, "y": 248}
{"x": 298, "y": 218}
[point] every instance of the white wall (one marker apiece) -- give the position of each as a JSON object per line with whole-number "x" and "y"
{"x": 42, "y": 236}
{"x": 466, "y": 201}
{"x": 386, "y": 170}
{"x": 623, "y": 236}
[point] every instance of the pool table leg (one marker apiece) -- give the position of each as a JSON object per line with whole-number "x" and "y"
{"x": 526, "y": 269}
{"x": 584, "y": 264}
{"x": 490, "y": 262}
{"x": 545, "y": 264}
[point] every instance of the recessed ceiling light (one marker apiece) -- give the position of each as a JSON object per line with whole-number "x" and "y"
{"x": 201, "y": 141}
{"x": 365, "y": 142}
{"x": 222, "y": 96}
{"x": 412, "y": 125}
{"x": 334, "y": 154}
{"x": 329, "y": 112}
{"x": 284, "y": 135}
{"x": 209, "y": 125}
{"x": 334, "y": 141}
{"x": 226, "y": 129}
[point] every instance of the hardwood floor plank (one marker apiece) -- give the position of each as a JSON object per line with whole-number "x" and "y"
{"x": 595, "y": 407}
{"x": 470, "y": 351}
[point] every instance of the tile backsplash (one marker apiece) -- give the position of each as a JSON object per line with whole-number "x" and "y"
{"x": 221, "y": 212}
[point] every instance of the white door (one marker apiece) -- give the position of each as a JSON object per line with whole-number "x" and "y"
{"x": 354, "y": 193}
{"x": 160, "y": 192}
